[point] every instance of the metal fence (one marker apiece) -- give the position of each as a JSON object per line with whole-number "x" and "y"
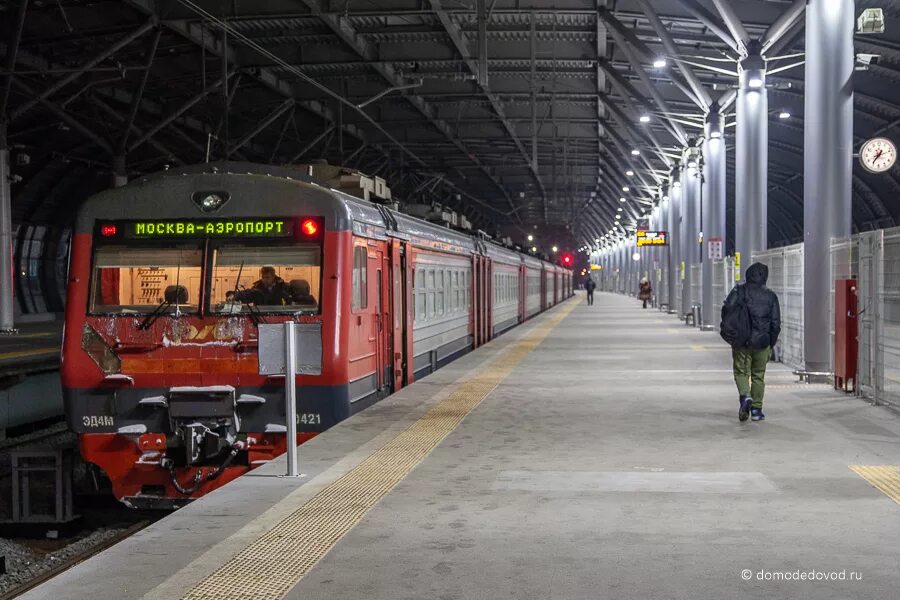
{"x": 786, "y": 280}
{"x": 697, "y": 284}
{"x": 722, "y": 279}
{"x": 661, "y": 286}
{"x": 879, "y": 315}
{"x": 844, "y": 265}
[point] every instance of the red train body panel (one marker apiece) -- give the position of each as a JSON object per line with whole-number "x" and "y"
{"x": 160, "y": 367}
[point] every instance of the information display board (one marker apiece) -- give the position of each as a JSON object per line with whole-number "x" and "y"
{"x": 652, "y": 238}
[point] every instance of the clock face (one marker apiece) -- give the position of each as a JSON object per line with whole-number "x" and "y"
{"x": 878, "y": 155}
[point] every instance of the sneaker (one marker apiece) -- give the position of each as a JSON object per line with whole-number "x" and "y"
{"x": 744, "y": 412}
{"x": 756, "y": 414}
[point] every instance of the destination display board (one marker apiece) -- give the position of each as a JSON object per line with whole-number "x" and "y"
{"x": 651, "y": 238}
{"x": 238, "y": 227}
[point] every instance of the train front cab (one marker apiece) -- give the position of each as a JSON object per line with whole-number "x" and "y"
{"x": 163, "y": 389}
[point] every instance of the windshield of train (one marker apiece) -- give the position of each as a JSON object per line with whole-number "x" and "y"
{"x": 249, "y": 278}
{"x": 141, "y": 280}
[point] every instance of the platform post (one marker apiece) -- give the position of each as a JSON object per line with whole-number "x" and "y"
{"x": 827, "y": 162}
{"x": 690, "y": 221}
{"x": 713, "y": 205}
{"x": 290, "y": 397}
{"x": 663, "y": 252}
{"x": 674, "y": 239}
{"x": 7, "y": 277}
{"x": 751, "y": 157}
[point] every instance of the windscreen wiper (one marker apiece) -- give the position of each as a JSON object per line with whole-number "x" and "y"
{"x": 157, "y": 312}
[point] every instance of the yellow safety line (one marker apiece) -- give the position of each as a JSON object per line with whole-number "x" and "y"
{"x": 272, "y": 565}
{"x": 21, "y": 353}
{"x": 885, "y": 477}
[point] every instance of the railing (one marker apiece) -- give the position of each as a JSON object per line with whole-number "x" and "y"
{"x": 844, "y": 265}
{"x": 786, "y": 280}
{"x": 696, "y": 285}
{"x": 722, "y": 280}
{"x": 661, "y": 286}
{"x": 878, "y": 311}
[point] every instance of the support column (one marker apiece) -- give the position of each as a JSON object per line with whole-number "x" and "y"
{"x": 7, "y": 277}
{"x": 662, "y": 253}
{"x": 690, "y": 219}
{"x": 674, "y": 239}
{"x": 751, "y": 156}
{"x": 713, "y": 203}
{"x": 827, "y": 166}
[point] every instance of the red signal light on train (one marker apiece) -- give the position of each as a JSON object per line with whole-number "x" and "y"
{"x": 567, "y": 259}
{"x": 108, "y": 230}
{"x": 309, "y": 227}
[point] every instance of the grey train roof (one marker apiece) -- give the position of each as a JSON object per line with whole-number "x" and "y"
{"x": 267, "y": 191}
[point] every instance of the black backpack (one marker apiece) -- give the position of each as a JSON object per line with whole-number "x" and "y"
{"x": 736, "y": 328}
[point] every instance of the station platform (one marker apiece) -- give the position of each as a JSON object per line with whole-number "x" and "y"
{"x": 35, "y": 346}
{"x": 592, "y": 453}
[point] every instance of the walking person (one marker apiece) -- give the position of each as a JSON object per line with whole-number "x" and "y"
{"x": 646, "y": 291}
{"x": 751, "y": 322}
{"x": 589, "y": 286}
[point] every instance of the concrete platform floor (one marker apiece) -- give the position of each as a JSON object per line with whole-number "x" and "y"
{"x": 609, "y": 463}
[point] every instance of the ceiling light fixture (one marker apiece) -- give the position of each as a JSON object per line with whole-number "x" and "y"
{"x": 784, "y": 115}
{"x": 635, "y": 152}
{"x": 630, "y": 173}
{"x": 645, "y": 118}
{"x": 659, "y": 63}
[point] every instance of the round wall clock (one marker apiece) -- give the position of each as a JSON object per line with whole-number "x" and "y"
{"x": 878, "y": 155}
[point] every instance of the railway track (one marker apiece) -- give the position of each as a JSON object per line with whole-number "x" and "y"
{"x": 74, "y": 560}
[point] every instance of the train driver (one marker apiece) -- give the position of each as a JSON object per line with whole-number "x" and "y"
{"x": 268, "y": 290}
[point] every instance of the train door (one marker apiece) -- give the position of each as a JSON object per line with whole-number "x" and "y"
{"x": 543, "y": 290}
{"x": 477, "y": 302}
{"x": 522, "y": 291}
{"x": 488, "y": 299}
{"x": 398, "y": 351}
{"x": 379, "y": 265}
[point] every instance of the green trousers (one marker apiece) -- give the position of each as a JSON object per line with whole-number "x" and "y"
{"x": 750, "y": 372}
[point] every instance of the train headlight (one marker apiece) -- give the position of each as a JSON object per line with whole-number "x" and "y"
{"x": 99, "y": 351}
{"x": 210, "y": 201}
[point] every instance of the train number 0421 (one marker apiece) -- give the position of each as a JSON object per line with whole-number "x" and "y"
{"x": 309, "y": 419}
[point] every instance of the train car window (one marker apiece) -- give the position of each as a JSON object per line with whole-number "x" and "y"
{"x": 419, "y": 289}
{"x": 429, "y": 285}
{"x": 271, "y": 279}
{"x": 439, "y": 292}
{"x": 360, "y": 278}
{"x": 136, "y": 280}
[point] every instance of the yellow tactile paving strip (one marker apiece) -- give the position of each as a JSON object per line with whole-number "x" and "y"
{"x": 273, "y": 564}
{"x": 23, "y": 353}
{"x": 885, "y": 477}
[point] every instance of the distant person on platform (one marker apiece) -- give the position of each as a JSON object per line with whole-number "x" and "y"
{"x": 751, "y": 322}
{"x": 589, "y": 286}
{"x": 646, "y": 291}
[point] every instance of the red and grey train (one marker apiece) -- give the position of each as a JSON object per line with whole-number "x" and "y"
{"x": 160, "y": 362}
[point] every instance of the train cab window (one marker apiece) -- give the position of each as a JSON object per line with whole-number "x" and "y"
{"x": 136, "y": 280}
{"x": 360, "y": 278}
{"x": 267, "y": 279}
